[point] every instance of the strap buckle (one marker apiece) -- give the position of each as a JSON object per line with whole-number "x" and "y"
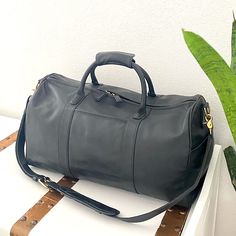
{"x": 44, "y": 181}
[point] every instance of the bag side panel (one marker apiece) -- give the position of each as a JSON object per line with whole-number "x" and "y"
{"x": 198, "y": 141}
{"x": 162, "y": 149}
{"x": 42, "y": 123}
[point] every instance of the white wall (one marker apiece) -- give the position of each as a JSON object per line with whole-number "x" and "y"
{"x": 40, "y": 37}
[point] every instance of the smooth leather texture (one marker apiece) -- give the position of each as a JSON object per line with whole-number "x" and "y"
{"x": 95, "y": 205}
{"x": 117, "y": 58}
{"x": 160, "y": 154}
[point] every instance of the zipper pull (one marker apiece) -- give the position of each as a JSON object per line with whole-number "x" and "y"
{"x": 99, "y": 95}
{"x": 117, "y": 98}
{"x": 208, "y": 118}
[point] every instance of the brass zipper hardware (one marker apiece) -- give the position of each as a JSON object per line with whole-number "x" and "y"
{"x": 208, "y": 119}
{"x": 117, "y": 98}
{"x": 109, "y": 92}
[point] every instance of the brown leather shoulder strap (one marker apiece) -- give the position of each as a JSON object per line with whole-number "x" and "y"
{"x": 26, "y": 223}
{"x": 173, "y": 222}
{"x": 8, "y": 140}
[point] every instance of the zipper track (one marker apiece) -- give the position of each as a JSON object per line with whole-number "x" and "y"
{"x": 125, "y": 98}
{"x": 59, "y": 77}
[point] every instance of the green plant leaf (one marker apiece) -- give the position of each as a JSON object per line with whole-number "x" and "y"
{"x": 230, "y": 156}
{"x": 218, "y": 72}
{"x": 233, "y": 46}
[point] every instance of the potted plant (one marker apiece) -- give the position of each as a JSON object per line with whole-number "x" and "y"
{"x": 223, "y": 77}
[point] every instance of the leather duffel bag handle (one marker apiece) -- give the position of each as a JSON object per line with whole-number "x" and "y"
{"x": 93, "y": 204}
{"x": 120, "y": 58}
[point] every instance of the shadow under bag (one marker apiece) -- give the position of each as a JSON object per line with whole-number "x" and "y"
{"x": 157, "y": 145}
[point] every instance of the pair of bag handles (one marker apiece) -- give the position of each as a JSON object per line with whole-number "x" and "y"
{"x": 122, "y": 59}
{"x": 118, "y": 59}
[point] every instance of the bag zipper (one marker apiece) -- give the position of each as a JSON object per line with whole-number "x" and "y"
{"x": 63, "y": 78}
{"x": 127, "y": 99}
{"x": 116, "y": 96}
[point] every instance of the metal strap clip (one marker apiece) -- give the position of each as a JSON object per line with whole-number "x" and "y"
{"x": 44, "y": 181}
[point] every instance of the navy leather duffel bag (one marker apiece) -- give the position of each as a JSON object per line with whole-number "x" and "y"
{"x": 157, "y": 145}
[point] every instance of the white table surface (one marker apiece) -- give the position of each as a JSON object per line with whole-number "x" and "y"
{"x": 8, "y": 126}
{"x": 19, "y": 193}
{"x": 202, "y": 217}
